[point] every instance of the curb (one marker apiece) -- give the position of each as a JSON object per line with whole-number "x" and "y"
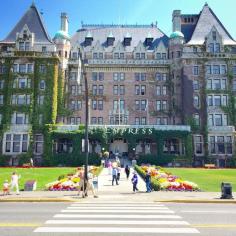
{"x": 38, "y": 200}
{"x": 198, "y": 201}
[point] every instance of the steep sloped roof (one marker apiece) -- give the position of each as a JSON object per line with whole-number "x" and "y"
{"x": 208, "y": 19}
{"x": 33, "y": 20}
{"x": 100, "y": 33}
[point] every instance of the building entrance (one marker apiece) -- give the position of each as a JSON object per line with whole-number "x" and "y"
{"x": 119, "y": 147}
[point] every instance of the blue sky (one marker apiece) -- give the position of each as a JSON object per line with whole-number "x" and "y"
{"x": 113, "y": 11}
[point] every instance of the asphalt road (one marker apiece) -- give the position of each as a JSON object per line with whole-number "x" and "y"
{"x": 24, "y": 219}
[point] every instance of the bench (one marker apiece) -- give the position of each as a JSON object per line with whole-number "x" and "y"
{"x": 210, "y": 166}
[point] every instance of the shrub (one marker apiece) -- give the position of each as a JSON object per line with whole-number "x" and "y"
{"x": 155, "y": 159}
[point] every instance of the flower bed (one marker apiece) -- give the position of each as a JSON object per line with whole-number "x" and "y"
{"x": 70, "y": 182}
{"x": 162, "y": 180}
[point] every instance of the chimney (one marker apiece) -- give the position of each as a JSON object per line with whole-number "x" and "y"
{"x": 64, "y": 22}
{"x": 176, "y": 20}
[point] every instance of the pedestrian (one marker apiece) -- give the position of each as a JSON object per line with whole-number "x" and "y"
{"x": 148, "y": 181}
{"x": 89, "y": 185}
{"x": 114, "y": 175}
{"x": 118, "y": 173}
{"x": 31, "y": 162}
{"x": 81, "y": 181}
{"x": 127, "y": 171}
{"x": 135, "y": 181}
{"x": 109, "y": 166}
{"x": 6, "y": 188}
{"x": 14, "y": 182}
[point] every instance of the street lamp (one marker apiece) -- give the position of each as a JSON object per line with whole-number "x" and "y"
{"x": 86, "y": 122}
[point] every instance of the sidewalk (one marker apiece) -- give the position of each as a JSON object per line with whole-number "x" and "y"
{"x": 121, "y": 192}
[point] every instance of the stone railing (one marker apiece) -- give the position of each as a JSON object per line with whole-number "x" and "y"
{"x": 221, "y": 129}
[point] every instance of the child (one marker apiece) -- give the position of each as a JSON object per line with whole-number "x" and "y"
{"x": 6, "y": 188}
{"x": 135, "y": 181}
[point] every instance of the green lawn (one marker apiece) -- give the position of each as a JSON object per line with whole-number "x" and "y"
{"x": 41, "y": 175}
{"x": 209, "y": 180}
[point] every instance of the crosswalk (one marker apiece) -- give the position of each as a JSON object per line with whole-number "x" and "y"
{"x": 117, "y": 217}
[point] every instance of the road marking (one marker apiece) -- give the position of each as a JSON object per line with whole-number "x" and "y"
{"x": 19, "y": 225}
{"x": 117, "y": 222}
{"x": 200, "y": 211}
{"x": 114, "y": 230}
{"x": 214, "y": 225}
{"x": 118, "y": 216}
{"x": 117, "y": 208}
{"x": 119, "y": 211}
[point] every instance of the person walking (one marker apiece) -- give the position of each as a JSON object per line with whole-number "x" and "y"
{"x": 81, "y": 182}
{"x": 148, "y": 181}
{"x": 14, "y": 182}
{"x": 135, "y": 181}
{"x": 118, "y": 173}
{"x": 127, "y": 171}
{"x": 114, "y": 175}
{"x": 90, "y": 186}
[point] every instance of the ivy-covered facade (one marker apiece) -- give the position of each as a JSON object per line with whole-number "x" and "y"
{"x": 163, "y": 100}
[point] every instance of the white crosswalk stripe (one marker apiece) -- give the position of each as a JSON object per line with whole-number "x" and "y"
{"x": 112, "y": 217}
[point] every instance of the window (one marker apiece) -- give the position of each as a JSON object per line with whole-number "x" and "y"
{"x": 197, "y": 119}
{"x": 211, "y": 47}
{"x": 93, "y": 120}
{"x": 214, "y": 35}
{"x": 158, "y": 90}
{"x": 223, "y": 69}
{"x": 1, "y": 99}
{"x": 122, "y": 90}
{"x": 140, "y": 55}
{"x": 100, "y": 105}
{"x": 140, "y": 76}
{"x": 75, "y": 120}
{"x": 163, "y": 56}
{"x": 234, "y": 85}
{"x": 158, "y": 105}
{"x": 217, "y": 100}
{"x": 94, "y": 104}
{"x": 161, "y": 77}
{"x": 162, "y": 121}
{"x": 40, "y": 119}
{"x": 143, "y": 105}
{"x": 195, "y": 70}
{"x": 100, "y": 120}
{"x": 234, "y": 70}
{"x": 38, "y": 140}
{"x": 210, "y": 100}
{"x": 15, "y": 68}
{"x": 196, "y": 101}
{"x": 100, "y": 89}
{"x": 1, "y": 84}
{"x": 100, "y": 55}
{"x": 118, "y": 76}
{"x": 94, "y": 89}
{"x": 137, "y": 105}
{"x": 208, "y": 69}
{"x": 22, "y": 68}
{"x": 73, "y": 75}
{"x": 210, "y": 120}
{"x": 158, "y": 56}
{"x": 137, "y": 120}
{"x": 143, "y": 121}
{"x": 27, "y": 46}
{"x": 217, "y": 48}
{"x": 19, "y": 118}
{"x": 143, "y": 89}
{"x": 73, "y": 89}
{"x": 79, "y": 91}
{"x": 164, "y": 90}
{"x": 42, "y": 69}
{"x": 218, "y": 119}
{"x": 101, "y": 76}
{"x": 16, "y": 143}
{"x": 209, "y": 84}
{"x": 74, "y": 55}
{"x": 195, "y": 85}
{"x": 42, "y": 84}
{"x": 20, "y": 99}
{"x": 22, "y": 46}
{"x": 30, "y": 68}
{"x": 118, "y": 55}
{"x": 95, "y": 55}
{"x": 164, "y": 105}
{"x": 198, "y": 143}
{"x": 216, "y": 69}
{"x": 115, "y": 89}
{"x": 40, "y": 99}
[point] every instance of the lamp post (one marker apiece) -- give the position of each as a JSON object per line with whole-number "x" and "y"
{"x": 86, "y": 122}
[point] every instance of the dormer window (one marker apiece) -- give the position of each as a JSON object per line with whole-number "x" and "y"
{"x": 24, "y": 46}
{"x": 118, "y": 55}
{"x": 127, "y": 39}
{"x": 88, "y": 39}
{"x": 214, "y": 47}
{"x": 214, "y": 35}
{"x": 110, "y": 39}
{"x": 148, "y": 40}
{"x": 97, "y": 55}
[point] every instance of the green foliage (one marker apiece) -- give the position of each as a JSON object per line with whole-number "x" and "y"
{"x": 155, "y": 159}
{"x": 4, "y": 160}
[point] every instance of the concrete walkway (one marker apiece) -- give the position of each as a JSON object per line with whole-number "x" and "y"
{"x": 121, "y": 192}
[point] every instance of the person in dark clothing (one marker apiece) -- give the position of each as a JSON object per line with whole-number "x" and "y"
{"x": 148, "y": 181}
{"x": 127, "y": 171}
{"x": 135, "y": 182}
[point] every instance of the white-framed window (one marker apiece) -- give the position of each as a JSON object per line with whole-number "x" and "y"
{"x": 16, "y": 143}
{"x": 196, "y": 101}
{"x": 100, "y": 120}
{"x": 213, "y": 47}
{"x": 161, "y": 56}
{"x": 42, "y": 69}
{"x": 73, "y": 89}
{"x": 38, "y": 144}
{"x": 158, "y": 105}
{"x": 137, "y": 120}
{"x": 217, "y": 100}
{"x": 216, "y": 84}
{"x": 139, "y": 55}
{"x": 196, "y": 85}
{"x": 161, "y": 76}
{"x": 118, "y": 76}
{"x": 195, "y": 70}
{"x": 115, "y": 89}
{"x": 75, "y": 120}
{"x": 164, "y": 90}
{"x": 98, "y": 55}
{"x": 97, "y": 76}
{"x": 1, "y": 99}
{"x": 93, "y": 120}
{"x": 1, "y": 84}
{"x": 220, "y": 145}
{"x": 137, "y": 105}
{"x": 30, "y": 68}
{"x": 158, "y": 90}
{"x": 19, "y": 118}
{"x": 22, "y": 83}
{"x": 140, "y": 76}
{"x": 40, "y": 99}
{"x": 197, "y": 119}
{"x": 20, "y": 99}
{"x": 216, "y": 69}
{"x": 22, "y": 68}
{"x": 100, "y": 89}
{"x": 217, "y": 119}
{"x": 162, "y": 121}
{"x": 118, "y": 55}
{"x": 143, "y": 105}
{"x": 143, "y": 120}
{"x": 198, "y": 144}
{"x": 42, "y": 85}
{"x": 100, "y": 105}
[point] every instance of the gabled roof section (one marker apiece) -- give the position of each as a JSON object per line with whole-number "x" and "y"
{"x": 208, "y": 19}
{"x": 33, "y": 20}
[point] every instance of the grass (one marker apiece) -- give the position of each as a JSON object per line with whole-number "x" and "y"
{"x": 41, "y": 175}
{"x": 209, "y": 180}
